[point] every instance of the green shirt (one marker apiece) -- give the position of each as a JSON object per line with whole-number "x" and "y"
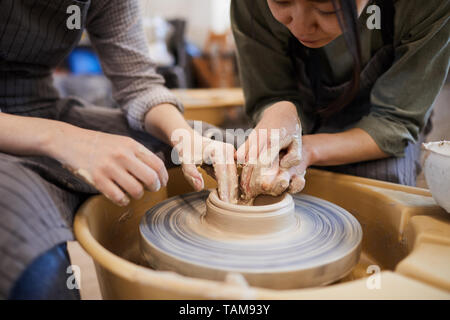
{"x": 400, "y": 100}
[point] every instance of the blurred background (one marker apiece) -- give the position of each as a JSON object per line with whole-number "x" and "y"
{"x": 189, "y": 40}
{"x": 192, "y": 44}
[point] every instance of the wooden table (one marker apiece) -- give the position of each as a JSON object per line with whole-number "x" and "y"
{"x": 209, "y": 105}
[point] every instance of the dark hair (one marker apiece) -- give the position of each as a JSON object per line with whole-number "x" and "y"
{"x": 347, "y": 15}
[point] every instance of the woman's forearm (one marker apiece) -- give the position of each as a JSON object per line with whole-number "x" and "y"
{"x": 354, "y": 145}
{"x": 162, "y": 121}
{"x": 28, "y": 135}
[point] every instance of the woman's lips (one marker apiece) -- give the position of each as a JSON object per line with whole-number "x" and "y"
{"x": 309, "y": 41}
{"x": 314, "y": 43}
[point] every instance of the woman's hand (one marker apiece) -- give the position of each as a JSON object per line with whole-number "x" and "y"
{"x": 197, "y": 150}
{"x": 194, "y": 149}
{"x": 115, "y": 165}
{"x": 272, "y": 155}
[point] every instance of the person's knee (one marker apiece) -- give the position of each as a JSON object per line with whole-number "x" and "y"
{"x": 47, "y": 277}
{"x": 30, "y": 213}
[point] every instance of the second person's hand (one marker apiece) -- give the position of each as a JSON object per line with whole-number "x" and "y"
{"x": 272, "y": 155}
{"x": 199, "y": 150}
{"x": 117, "y": 166}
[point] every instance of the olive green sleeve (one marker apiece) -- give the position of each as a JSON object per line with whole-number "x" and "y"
{"x": 403, "y": 96}
{"x": 266, "y": 70}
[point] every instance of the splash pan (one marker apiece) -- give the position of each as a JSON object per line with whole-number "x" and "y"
{"x": 405, "y": 236}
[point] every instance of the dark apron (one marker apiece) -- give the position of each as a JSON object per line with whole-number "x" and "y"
{"x": 34, "y": 39}
{"x": 316, "y": 94}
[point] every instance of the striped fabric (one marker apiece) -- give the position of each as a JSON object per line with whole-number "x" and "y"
{"x": 34, "y": 39}
{"x": 38, "y": 197}
{"x": 35, "y": 215}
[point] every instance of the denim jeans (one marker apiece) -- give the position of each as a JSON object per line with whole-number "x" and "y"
{"x": 46, "y": 278}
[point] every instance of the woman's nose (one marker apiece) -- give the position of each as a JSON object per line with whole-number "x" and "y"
{"x": 302, "y": 23}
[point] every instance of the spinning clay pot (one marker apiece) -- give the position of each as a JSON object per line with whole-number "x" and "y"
{"x": 281, "y": 243}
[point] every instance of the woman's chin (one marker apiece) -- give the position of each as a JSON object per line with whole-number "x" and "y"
{"x": 314, "y": 44}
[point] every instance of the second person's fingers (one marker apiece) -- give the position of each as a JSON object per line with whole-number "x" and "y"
{"x": 245, "y": 178}
{"x": 111, "y": 191}
{"x": 232, "y": 179}
{"x": 281, "y": 182}
{"x": 145, "y": 174}
{"x": 267, "y": 175}
{"x": 293, "y": 157}
{"x": 129, "y": 183}
{"x": 193, "y": 176}
{"x": 220, "y": 171}
{"x": 150, "y": 159}
{"x": 297, "y": 183}
{"x": 241, "y": 153}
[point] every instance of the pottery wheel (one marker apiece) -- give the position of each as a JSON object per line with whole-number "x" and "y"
{"x": 320, "y": 246}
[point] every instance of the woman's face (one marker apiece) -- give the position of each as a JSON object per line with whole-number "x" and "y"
{"x": 313, "y": 22}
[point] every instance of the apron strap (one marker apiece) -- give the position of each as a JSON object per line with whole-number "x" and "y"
{"x": 387, "y": 20}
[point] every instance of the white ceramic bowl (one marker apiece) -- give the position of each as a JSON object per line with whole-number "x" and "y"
{"x": 437, "y": 172}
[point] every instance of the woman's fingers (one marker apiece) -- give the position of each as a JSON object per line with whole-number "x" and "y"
{"x": 249, "y": 151}
{"x": 193, "y": 176}
{"x": 143, "y": 166}
{"x": 220, "y": 171}
{"x": 267, "y": 175}
{"x": 250, "y": 163}
{"x": 281, "y": 182}
{"x": 231, "y": 174}
{"x": 258, "y": 178}
{"x": 111, "y": 191}
{"x": 293, "y": 157}
{"x": 297, "y": 182}
{"x": 241, "y": 153}
{"x": 117, "y": 166}
{"x": 261, "y": 152}
{"x": 144, "y": 173}
{"x": 246, "y": 175}
{"x": 151, "y": 160}
{"x": 276, "y": 180}
{"x": 128, "y": 182}
{"x": 222, "y": 156}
